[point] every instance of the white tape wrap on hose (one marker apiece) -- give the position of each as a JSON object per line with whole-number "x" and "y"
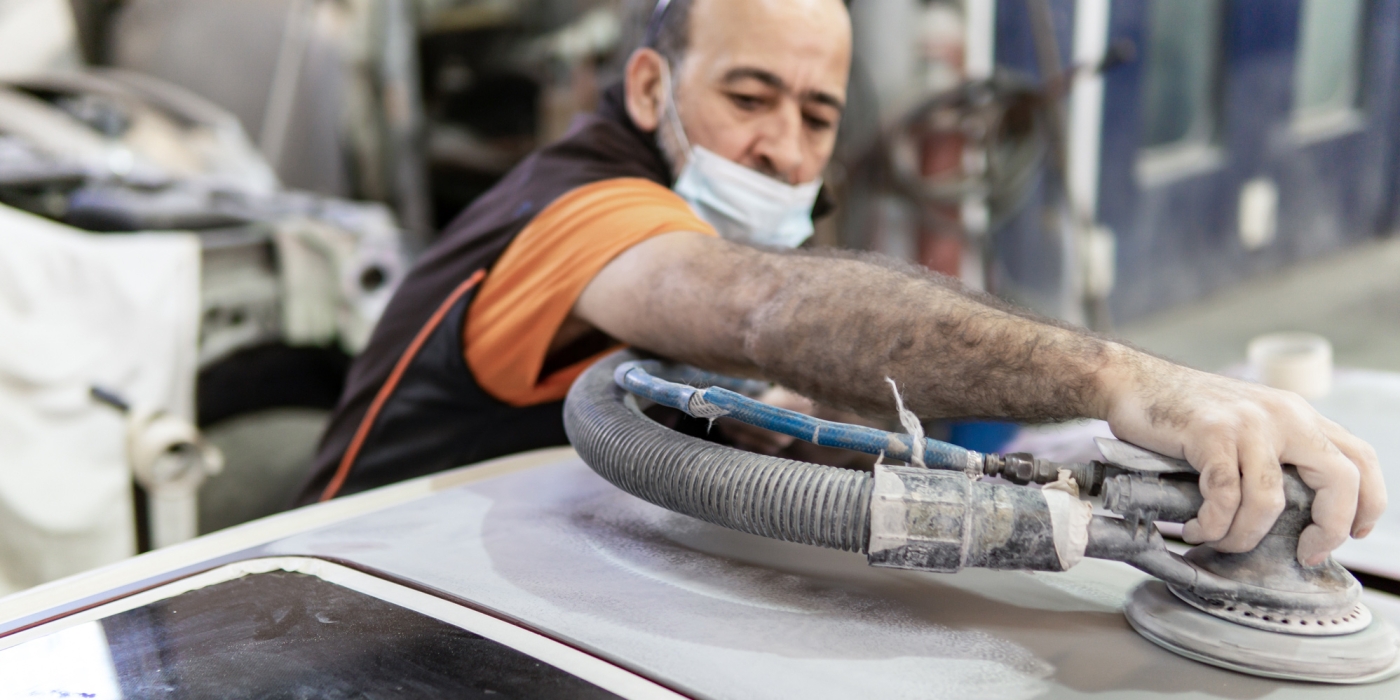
{"x": 1069, "y": 523}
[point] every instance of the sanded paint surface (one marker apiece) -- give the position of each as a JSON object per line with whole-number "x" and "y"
{"x": 717, "y": 613}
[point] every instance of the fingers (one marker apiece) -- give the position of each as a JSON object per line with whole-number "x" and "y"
{"x": 1336, "y": 482}
{"x": 785, "y": 398}
{"x": 1237, "y": 435}
{"x": 752, "y": 438}
{"x": 760, "y": 440}
{"x": 1371, "y": 499}
{"x": 1261, "y": 496}
{"x": 1314, "y": 544}
{"x": 1220, "y": 485}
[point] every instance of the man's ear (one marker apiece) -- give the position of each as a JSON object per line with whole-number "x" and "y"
{"x": 644, "y": 90}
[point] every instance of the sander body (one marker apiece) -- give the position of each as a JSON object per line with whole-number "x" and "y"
{"x": 1259, "y": 612}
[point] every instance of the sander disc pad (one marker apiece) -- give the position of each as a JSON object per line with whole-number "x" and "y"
{"x": 1370, "y": 655}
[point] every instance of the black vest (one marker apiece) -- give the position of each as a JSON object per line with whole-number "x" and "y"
{"x": 411, "y": 404}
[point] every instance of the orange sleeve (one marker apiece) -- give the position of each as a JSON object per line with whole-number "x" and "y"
{"x": 533, "y": 286}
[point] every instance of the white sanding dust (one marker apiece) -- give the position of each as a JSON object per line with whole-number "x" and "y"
{"x": 715, "y": 612}
{"x": 737, "y": 596}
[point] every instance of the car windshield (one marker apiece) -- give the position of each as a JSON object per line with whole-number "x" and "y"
{"x": 277, "y": 634}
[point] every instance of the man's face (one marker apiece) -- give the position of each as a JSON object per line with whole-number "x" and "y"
{"x": 763, "y": 82}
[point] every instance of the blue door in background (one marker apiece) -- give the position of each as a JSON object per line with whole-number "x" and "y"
{"x": 1247, "y": 135}
{"x": 1250, "y": 134}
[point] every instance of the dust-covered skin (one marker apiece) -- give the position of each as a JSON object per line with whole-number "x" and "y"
{"x": 1237, "y": 435}
{"x": 833, "y": 326}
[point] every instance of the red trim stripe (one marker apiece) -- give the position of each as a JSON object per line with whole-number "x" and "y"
{"x": 361, "y": 433}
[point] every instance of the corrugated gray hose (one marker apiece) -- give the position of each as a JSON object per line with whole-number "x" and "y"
{"x": 753, "y": 493}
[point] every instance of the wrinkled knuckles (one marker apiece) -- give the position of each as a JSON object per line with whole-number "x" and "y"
{"x": 1326, "y": 445}
{"x": 1216, "y": 424}
{"x": 1227, "y": 429}
{"x": 1289, "y": 403}
{"x": 1344, "y": 475}
{"x": 1270, "y": 479}
{"x": 1273, "y": 504}
{"x": 1364, "y": 453}
{"x": 1222, "y": 483}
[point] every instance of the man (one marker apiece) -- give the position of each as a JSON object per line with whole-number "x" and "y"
{"x": 735, "y": 105}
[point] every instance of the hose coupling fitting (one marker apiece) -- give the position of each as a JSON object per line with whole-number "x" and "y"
{"x": 1024, "y": 468}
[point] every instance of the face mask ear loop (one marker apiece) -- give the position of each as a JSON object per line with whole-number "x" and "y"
{"x": 672, "y": 114}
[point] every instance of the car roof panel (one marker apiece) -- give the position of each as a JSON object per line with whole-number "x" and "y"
{"x": 718, "y": 613}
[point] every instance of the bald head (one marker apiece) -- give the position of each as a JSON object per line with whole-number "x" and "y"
{"x": 669, "y": 31}
{"x": 760, "y": 82}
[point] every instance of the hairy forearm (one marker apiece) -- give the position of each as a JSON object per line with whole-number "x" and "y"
{"x": 837, "y": 327}
{"x": 834, "y": 327}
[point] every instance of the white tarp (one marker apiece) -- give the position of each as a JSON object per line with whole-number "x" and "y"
{"x": 120, "y": 311}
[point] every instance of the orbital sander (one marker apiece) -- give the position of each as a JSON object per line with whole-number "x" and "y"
{"x": 1260, "y": 612}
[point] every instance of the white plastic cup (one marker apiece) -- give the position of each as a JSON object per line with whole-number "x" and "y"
{"x": 1297, "y": 362}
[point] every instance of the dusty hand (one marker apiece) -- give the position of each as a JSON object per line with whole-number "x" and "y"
{"x": 1237, "y": 435}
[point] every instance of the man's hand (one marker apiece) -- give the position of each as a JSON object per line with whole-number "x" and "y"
{"x": 1237, "y": 435}
{"x": 756, "y": 439}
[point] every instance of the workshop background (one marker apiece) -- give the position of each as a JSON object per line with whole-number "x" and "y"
{"x": 205, "y": 204}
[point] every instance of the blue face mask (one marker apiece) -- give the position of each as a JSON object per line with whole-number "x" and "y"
{"x": 744, "y": 205}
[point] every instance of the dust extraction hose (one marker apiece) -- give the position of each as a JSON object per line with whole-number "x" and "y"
{"x": 757, "y": 494}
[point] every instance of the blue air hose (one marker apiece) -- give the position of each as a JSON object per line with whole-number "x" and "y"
{"x": 669, "y": 385}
